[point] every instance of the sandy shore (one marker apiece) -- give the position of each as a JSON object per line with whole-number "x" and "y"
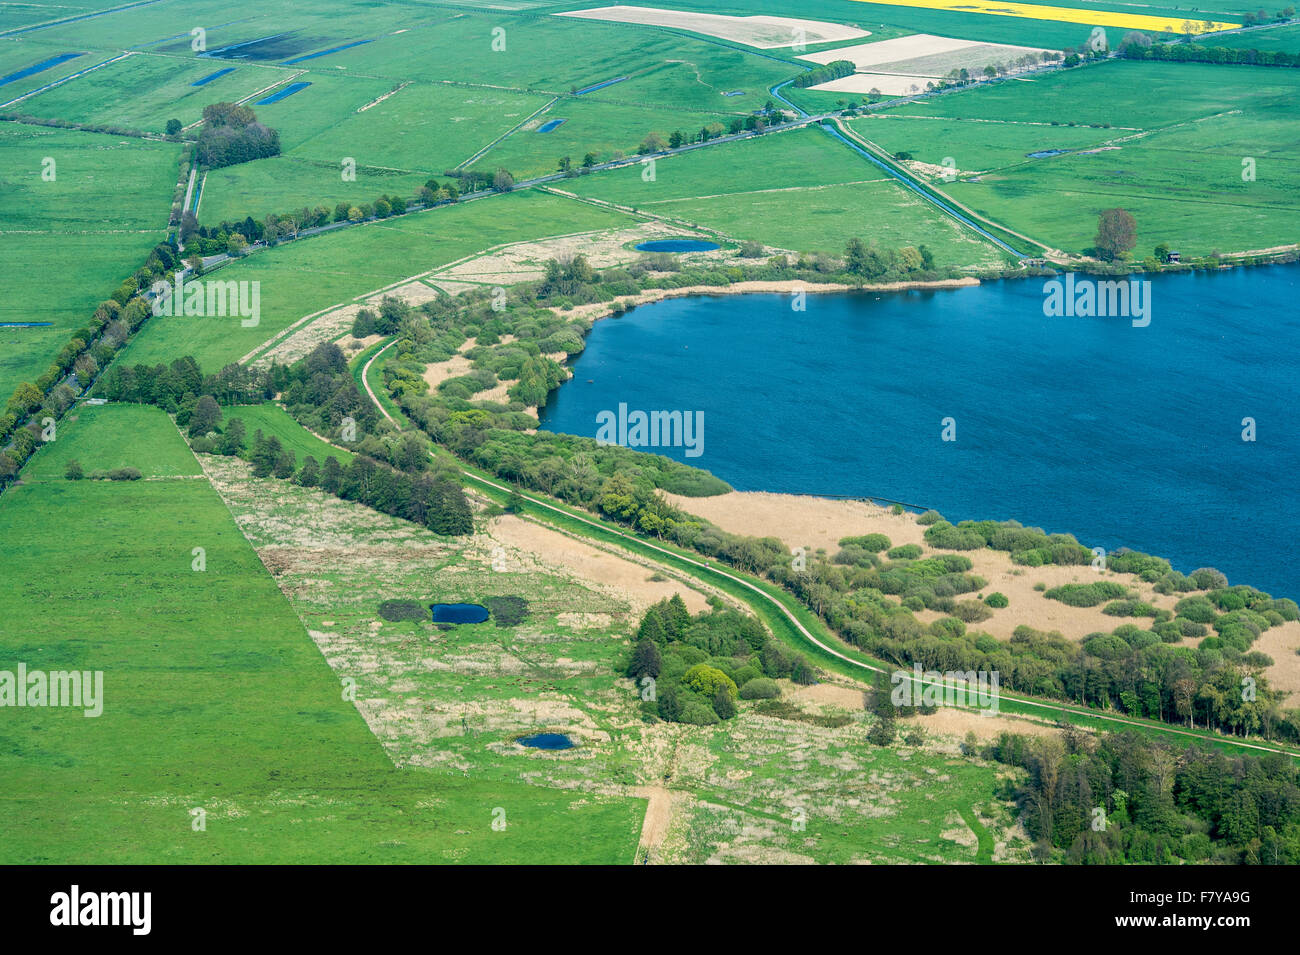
{"x": 599, "y": 310}
{"x": 817, "y": 523}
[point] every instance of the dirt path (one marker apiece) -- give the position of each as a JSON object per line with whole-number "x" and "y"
{"x": 658, "y": 816}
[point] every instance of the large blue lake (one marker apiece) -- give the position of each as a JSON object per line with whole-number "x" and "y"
{"x": 1123, "y": 436}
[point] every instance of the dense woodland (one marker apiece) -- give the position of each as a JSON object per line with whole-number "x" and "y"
{"x": 700, "y": 666}
{"x": 1127, "y": 798}
{"x": 231, "y": 134}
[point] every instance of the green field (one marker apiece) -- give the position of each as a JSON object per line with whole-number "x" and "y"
{"x": 145, "y": 91}
{"x": 1172, "y": 153}
{"x": 274, "y": 421}
{"x": 802, "y": 190}
{"x": 103, "y": 437}
{"x": 300, "y": 278}
{"x": 206, "y": 675}
{"x": 68, "y": 243}
{"x": 1284, "y": 38}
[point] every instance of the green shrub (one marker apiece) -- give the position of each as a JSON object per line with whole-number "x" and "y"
{"x": 971, "y": 611}
{"x": 929, "y": 517}
{"x": 1087, "y": 595}
{"x": 396, "y": 610}
{"x": 1197, "y": 609}
{"x": 872, "y": 543}
{"x": 946, "y": 537}
{"x": 905, "y": 552}
{"x": 760, "y": 688}
{"x": 507, "y": 611}
{"x": 1129, "y": 608}
{"x": 707, "y": 680}
{"x": 996, "y": 600}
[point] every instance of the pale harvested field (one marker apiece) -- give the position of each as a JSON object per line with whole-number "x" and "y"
{"x": 764, "y": 33}
{"x": 626, "y": 578}
{"x": 526, "y": 261}
{"x": 816, "y": 523}
{"x": 891, "y": 84}
{"x": 1283, "y": 645}
{"x": 904, "y": 65}
{"x": 819, "y": 523}
{"x": 867, "y": 55}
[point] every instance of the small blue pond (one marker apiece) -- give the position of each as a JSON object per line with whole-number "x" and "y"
{"x": 25, "y": 324}
{"x": 287, "y": 91}
{"x": 735, "y": 93}
{"x": 546, "y": 741}
{"x": 549, "y": 125}
{"x": 677, "y": 245}
{"x": 203, "y": 81}
{"x": 459, "y": 613}
{"x": 1045, "y": 153}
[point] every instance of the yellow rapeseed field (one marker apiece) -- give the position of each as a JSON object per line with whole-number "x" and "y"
{"x": 1034, "y": 11}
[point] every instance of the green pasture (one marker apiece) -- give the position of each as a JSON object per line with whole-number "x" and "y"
{"x": 104, "y": 437}
{"x": 274, "y": 421}
{"x": 69, "y": 242}
{"x": 1166, "y": 141}
{"x": 146, "y": 90}
{"x": 299, "y": 278}
{"x": 800, "y": 190}
{"x": 216, "y": 698}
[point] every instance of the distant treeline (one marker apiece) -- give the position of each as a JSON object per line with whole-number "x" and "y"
{"x": 1196, "y": 53}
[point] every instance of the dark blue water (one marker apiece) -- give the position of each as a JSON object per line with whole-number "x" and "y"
{"x": 550, "y": 125}
{"x": 598, "y": 86}
{"x": 677, "y": 245}
{"x": 546, "y": 741}
{"x": 282, "y": 94}
{"x": 459, "y": 613}
{"x": 333, "y": 49}
{"x": 38, "y": 67}
{"x": 203, "y": 81}
{"x": 1122, "y": 436}
{"x": 1045, "y": 153}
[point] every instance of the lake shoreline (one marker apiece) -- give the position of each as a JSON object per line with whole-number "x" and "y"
{"x": 598, "y": 310}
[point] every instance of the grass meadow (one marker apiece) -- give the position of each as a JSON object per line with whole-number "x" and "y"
{"x": 104, "y": 437}
{"x": 216, "y": 698}
{"x": 800, "y": 190}
{"x": 69, "y": 242}
{"x": 299, "y": 278}
{"x": 1172, "y": 155}
{"x": 274, "y": 421}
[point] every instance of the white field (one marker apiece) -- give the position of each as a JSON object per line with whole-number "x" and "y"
{"x": 924, "y": 55}
{"x": 764, "y": 33}
{"x": 866, "y": 55}
{"x": 894, "y": 66}
{"x": 891, "y": 84}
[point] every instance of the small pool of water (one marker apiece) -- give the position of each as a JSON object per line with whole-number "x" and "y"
{"x": 546, "y": 741}
{"x": 459, "y": 613}
{"x": 1045, "y": 153}
{"x": 678, "y": 245}
{"x": 549, "y": 125}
